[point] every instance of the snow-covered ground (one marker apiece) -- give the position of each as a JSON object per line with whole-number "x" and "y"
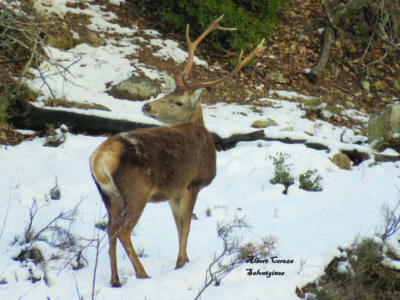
{"x": 309, "y": 226}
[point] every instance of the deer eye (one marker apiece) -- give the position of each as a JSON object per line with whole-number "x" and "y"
{"x": 178, "y": 103}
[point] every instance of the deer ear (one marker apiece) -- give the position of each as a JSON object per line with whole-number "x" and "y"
{"x": 195, "y": 99}
{"x": 170, "y": 83}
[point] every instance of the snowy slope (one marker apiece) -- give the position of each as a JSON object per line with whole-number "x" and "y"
{"x": 309, "y": 226}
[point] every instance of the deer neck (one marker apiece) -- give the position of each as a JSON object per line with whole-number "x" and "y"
{"x": 197, "y": 116}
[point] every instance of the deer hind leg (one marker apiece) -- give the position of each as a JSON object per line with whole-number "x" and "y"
{"x": 114, "y": 215}
{"x": 135, "y": 201}
{"x": 127, "y": 224}
{"x": 114, "y": 210}
{"x": 182, "y": 210}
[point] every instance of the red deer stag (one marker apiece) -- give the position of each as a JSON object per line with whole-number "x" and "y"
{"x": 157, "y": 164}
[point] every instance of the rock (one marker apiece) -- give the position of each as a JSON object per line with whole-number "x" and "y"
{"x": 366, "y": 86}
{"x": 384, "y": 128}
{"x": 303, "y": 37}
{"x": 289, "y": 128}
{"x": 91, "y": 38}
{"x": 59, "y": 37}
{"x": 380, "y": 86}
{"x": 136, "y": 88}
{"x": 342, "y": 161}
{"x": 264, "y": 123}
{"x": 276, "y": 77}
{"x": 335, "y": 71}
{"x": 396, "y": 86}
{"x": 350, "y": 104}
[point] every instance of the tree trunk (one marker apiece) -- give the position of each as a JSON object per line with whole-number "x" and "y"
{"x": 317, "y": 70}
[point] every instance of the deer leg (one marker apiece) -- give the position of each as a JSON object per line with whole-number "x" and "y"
{"x": 112, "y": 229}
{"x": 129, "y": 220}
{"x": 114, "y": 211}
{"x": 186, "y": 205}
{"x": 175, "y": 207}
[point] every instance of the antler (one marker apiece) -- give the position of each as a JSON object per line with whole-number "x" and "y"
{"x": 184, "y": 76}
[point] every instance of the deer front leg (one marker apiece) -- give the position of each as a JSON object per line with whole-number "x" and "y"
{"x": 175, "y": 207}
{"x": 182, "y": 210}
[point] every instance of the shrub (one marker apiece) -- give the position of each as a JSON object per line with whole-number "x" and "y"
{"x": 254, "y": 19}
{"x": 360, "y": 274}
{"x": 282, "y": 169}
{"x": 234, "y": 252}
{"x": 310, "y": 181}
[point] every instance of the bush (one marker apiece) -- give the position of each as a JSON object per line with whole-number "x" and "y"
{"x": 234, "y": 252}
{"x": 253, "y": 19}
{"x": 360, "y": 274}
{"x": 282, "y": 169}
{"x": 310, "y": 181}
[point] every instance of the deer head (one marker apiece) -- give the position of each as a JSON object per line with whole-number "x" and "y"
{"x": 183, "y": 104}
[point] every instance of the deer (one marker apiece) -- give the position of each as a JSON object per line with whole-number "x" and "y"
{"x": 168, "y": 163}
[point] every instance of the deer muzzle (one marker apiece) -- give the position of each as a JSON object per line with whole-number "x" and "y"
{"x": 146, "y": 109}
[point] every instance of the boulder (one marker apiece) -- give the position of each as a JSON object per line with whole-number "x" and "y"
{"x": 136, "y": 88}
{"x": 384, "y": 128}
{"x": 91, "y": 38}
{"x": 59, "y": 37}
{"x": 342, "y": 161}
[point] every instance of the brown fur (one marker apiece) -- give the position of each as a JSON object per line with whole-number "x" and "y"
{"x": 166, "y": 163}
{"x": 156, "y": 164}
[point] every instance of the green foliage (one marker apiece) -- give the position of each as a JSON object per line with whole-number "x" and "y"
{"x": 361, "y": 32}
{"x": 310, "y": 181}
{"x": 359, "y": 274}
{"x": 282, "y": 170}
{"x": 3, "y": 110}
{"x": 253, "y": 19}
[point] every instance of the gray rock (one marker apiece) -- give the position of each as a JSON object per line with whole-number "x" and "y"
{"x": 264, "y": 123}
{"x": 276, "y": 77}
{"x": 366, "y": 86}
{"x": 136, "y": 88}
{"x": 384, "y": 128}
{"x": 303, "y": 37}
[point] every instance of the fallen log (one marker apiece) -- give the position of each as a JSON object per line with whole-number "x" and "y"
{"x": 24, "y": 115}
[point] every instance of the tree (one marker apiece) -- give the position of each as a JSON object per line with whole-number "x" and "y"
{"x": 384, "y": 16}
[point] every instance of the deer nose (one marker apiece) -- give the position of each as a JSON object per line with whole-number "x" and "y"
{"x": 146, "y": 108}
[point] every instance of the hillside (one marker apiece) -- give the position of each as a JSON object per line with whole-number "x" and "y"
{"x": 52, "y": 239}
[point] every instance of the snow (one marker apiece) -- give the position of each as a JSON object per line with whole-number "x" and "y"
{"x": 309, "y": 226}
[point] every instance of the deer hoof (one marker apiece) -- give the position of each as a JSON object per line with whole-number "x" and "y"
{"x": 180, "y": 264}
{"x": 115, "y": 283}
{"x": 142, "y": 276}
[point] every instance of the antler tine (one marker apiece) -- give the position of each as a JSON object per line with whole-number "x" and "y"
{"x": 193, "y": 45}
{"x": 241, "y": 63}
